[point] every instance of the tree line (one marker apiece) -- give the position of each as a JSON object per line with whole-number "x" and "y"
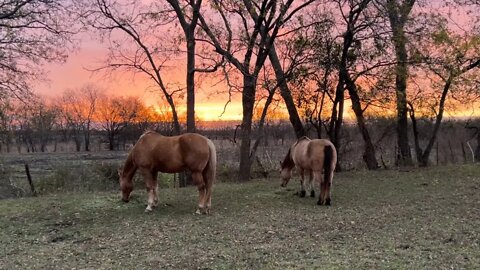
{"x": 75, "y": 116}
{"x": 411, "y": 59}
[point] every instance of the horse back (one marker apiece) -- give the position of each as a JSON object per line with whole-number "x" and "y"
{"x": 171, "y": 153}
{"x": 316, "y": 153}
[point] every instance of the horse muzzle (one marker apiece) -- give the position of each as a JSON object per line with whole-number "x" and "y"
{"x": 125, "y": 200}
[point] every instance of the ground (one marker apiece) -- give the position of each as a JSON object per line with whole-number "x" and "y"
{"x": 424, "y": 218}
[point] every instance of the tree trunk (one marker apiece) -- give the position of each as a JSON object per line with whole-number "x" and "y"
{"x": 438, "y": 121}
{"x": 261, "y": 130}
{"x": 86, "y": 137}
{"x": 248, "y": 101}
{"x": 336, "y": 120}
{"x": 286, "y": 94}
{"x": 190, "y": 83}
{"x": 78, "y": 142}
{"x": 176, "y": 123}
{"x": 369, "y": 151}
{"x": 418, "y": 149}
{"x": 111, "y": 141}
{"x": 423, "y": 156}
{"x": 337, "y": 113}
{"x": 398, "y": 16}
{"x": 189, "y": 31}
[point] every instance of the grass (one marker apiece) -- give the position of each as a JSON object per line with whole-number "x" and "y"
{"x": 426, "y": 218}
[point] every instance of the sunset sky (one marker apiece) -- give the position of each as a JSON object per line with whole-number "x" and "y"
{"x": 76, "y": 73}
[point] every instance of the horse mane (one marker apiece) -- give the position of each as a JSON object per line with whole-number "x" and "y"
{"x": 288, "y": 161}
{"x": 148, "y": 132}
{"x": 303, "y": 138}
{"x": 129, "y": 168}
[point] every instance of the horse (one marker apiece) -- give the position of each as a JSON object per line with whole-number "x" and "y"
{"x": 311, "y": 156}
{"x": 155, "y": 153}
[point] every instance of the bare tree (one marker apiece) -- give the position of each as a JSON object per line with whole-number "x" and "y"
{"x": 71, "y": 114}
{"x": 188, "y": 18}
{"x": 188, "y": 22}
{"x": 7, "y": 127}
{"x": 452, "y": 60}
{"x": 355, "y": 56}
{"x": 143, "y": 48}
{"x": 260, "y": 23}
{"x": 116, "y": 113}
{"x": 398, "y": 12}
{"x": 313, "y": 53}
{"x": 78, "y": 108}
{"x": 32, "y": 32}
{"x": 39, "y": 120}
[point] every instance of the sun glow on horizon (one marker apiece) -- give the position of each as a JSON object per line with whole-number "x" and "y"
{"x": 218, "y": 112}
{"x": 208, "y": 111}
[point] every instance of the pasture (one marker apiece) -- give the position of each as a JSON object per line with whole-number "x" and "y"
{"x": 424, "y": 218}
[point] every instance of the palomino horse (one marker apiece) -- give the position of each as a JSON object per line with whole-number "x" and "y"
{"x": 311, "y": 156}
{"x": 155, "y": 153}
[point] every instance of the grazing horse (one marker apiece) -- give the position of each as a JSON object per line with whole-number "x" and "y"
{"x": 311, "y": 156}
{"x": 155, "y": 153}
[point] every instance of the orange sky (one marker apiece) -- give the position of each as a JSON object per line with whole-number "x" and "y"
{"x": 74, "y": 74}
{"x": 91, "y": 53}
{"x": 209, "y": 106}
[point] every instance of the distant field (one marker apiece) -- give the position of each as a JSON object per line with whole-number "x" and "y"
{"x": 387, "y": 219}
{"x": 97, "y": 170}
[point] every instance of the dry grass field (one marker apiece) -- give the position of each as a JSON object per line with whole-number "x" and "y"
{"x": 419, "y": 219}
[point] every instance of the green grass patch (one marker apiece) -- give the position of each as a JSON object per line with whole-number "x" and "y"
{"x": 426, "y": 218}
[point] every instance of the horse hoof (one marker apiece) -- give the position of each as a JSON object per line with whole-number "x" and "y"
{"x": 319, "y": 202}
{"x": 312, "y": 194}
{"x": 302, "y": 193}
{"x": 328, "y": 202}
{"x": 198, "y": 212}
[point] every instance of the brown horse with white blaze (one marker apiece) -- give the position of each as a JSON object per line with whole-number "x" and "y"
{"x": 311, "y": 157}
{"x": 155, "y": 153}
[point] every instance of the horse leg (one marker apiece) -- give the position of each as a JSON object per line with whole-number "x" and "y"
{"x": 302, "y": 183}
{"x": 317, "y": 176}
{"x": 198, "y": 180}
{"x": 155, "y": 189}
{"x": 311, "y": 183}
{"x": 208, "y": 192}
{"x": 150, "y": 184}
{"x": 328, "y": 186}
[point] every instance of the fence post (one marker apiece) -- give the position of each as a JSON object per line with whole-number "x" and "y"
{"x": 29, "y": 177}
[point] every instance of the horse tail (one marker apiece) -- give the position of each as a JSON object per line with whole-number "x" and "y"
{"x": 327, "y": 162}
{"x": 209, "y": 174}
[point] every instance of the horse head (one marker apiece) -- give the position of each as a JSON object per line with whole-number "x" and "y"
{"x": 126, "y": 185}
{"x": 286, "y": 168}
{"x": 286, "y": 174}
